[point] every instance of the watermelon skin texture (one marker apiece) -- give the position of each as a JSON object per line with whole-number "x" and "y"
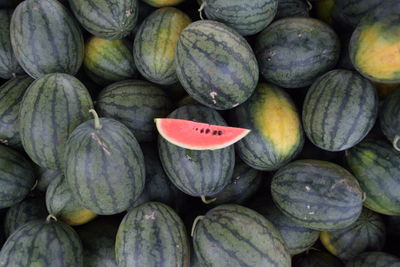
{"x": 11, "y": 94}
{"x": 374, "y": 258}
{"x": 135, "y": 103}
{"x": 317, "y": 194}
{"x": 376, "y": 165}
{"x": 276, "y": 135}
{"x": 45, "y": 177}
{"x": 293, "y": 52}
{"x": 17, "y": 177}
{"x": 104, "y": 167}
{"x": 291, "y": 8}
{"x": 61, "y": 203}
{"x": 215, "y": 65}
{"x": 46, "y": 38}
{"x": 108, "y": 61}
{"x": 389, "y": 118}
{"x": 162, "y": 3}
{"x": 9, "y": 66}
{"x": 197, "y": 172}
{"x": 368, "y": 233}
{"x": 110, "y": 19}
{"x": 52, "y": 107}
{"x": 339, "y": 110}
{"x": 155, "y": 42}
{"x": 247, "y": 18}
{"x": 42, "y": 243}
{"x": 233, "y": 235}
{"x": 315, "y": 258}
{"x": 152, "y": 234}
{"x": 30, "y": 209}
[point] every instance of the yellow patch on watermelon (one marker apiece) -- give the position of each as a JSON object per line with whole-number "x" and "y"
{"x": 325, "y": 240}
{"x": 78, "y": 217}
{"x": 278, "y": 120}
{"x": 163, "y": 3}
{"x": 368, "y": 156}
{"x": 94, "y": 49}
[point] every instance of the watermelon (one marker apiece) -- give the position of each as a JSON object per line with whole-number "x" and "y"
{"x": 9, "y": 66}
{"x": 197, "y": 173}
{"x": 30, "y": 209}
{"x": 339, "y": 110}
{"x": 61, "y": 203}
{"x": 246, "y": 17}
{"x": 152, "y": 234}
{"x": 293, "y": 52}
{"x": 52, "y": 107}
{"x": 192, "y": 135}
{"x": 232, "y": 235}
{"x": 155, "y": 42}
{"x": 244, "y": 183}
{"x": 45, "y": 38}
{"x": 366, "y": 234}
{"x": 324, "y": 9}
{"x": 376, "y": 165}
{"x": 276, "y": 135}
{"x": 104, "y": 166}
{"x": 291, "y": 8}
{"x": 374, "y": 43}
{"x": 108, "y": 61}
{"x": 11, "y": 94}
{"x": 314, "y": 258}
{"x": 374, "y": 258}
{"x": 215, "y": 65}
{"x": 135, "y": 103}
{"x": 17, "y": 177}
{"x": 162, "y": 3}
{"x": 317, "y": 194}
{"x": 110, "y": 19}
{"x": 389, "y": 118}
{"x": 297, "y": 237}
{"x": 45, "y": 177}
{"x": 42, "y": 243}
{"x": 98, "y": 240}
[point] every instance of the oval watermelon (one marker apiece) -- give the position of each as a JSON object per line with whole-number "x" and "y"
{"x": 46, "y": 38}
{"x": 11, "y": 94}
{"x": 389, "y": 118}
{"x": 374, "y": 258}
{"x": 52, "y": 107}
{"x": 215, "y": 65}
{"x": 317, "y": 194}
{"x": 152, "y": 234}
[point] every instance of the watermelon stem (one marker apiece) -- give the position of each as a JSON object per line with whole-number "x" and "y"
{"x": 35, "y": 184}
{"x": 396, "y": 141}
{"x": 364, "y": 196}
{"x": 198, "y": 218}
{"x": 309, "y": 5}
{"x": 203, "y": 4}
{"x": 97, "y": 124}
{"x": 205, "y": 201}
{"x": 51, "y": 217}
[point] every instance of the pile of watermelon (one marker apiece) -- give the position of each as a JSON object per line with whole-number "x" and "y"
{"x": 200, "y": 133}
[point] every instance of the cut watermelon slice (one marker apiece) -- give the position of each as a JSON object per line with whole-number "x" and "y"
{"x": 198, "y": 136}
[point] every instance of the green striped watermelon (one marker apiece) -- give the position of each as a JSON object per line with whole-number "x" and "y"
{"x": 30, "y": 209}
{"x": 152, "y": 234}
{"x": 375, "y": 259}
{"x": 135, "y": 103}
{"x": 62, "y": 204}
{"x": 17, "y": 177}
{"x": 376, "y": 165}
{"x": 297, "y": 237}
{"x": 42, "y": 243}
{"x": 11, "y": 94}
{"x": 317, "y": 194}
{"x": 293, "y": 52}
{"x": 292, "y": 8}
{"x": 314, "y": 258}
{"x": 339, "y": 110}
{"x": 215, "y": 65}
{"x": 155, "y": 42}
{"x": 366, "y": 234}
{"x": 109, "y": 61}
{"x": 232, "y": 235}
{"x": 162, "y": 3}
{"x": 9, "y": 66}
{"x": 389, "y": 118}
{"x": 197, "y": 173}
{"x": 246, "y": 17}
{"x": 276, "y": 135}
{"x": 104, "y": 166}
{"x": 45, "y": 177}
{"x": 52, "y": 107}
{"x": 46, "y": 38}
{"x": 110, "y": 19}
{"x": 98, "y": 240}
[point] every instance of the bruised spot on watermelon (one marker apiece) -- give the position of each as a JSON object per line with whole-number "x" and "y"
{"x": 198, "y": 136}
